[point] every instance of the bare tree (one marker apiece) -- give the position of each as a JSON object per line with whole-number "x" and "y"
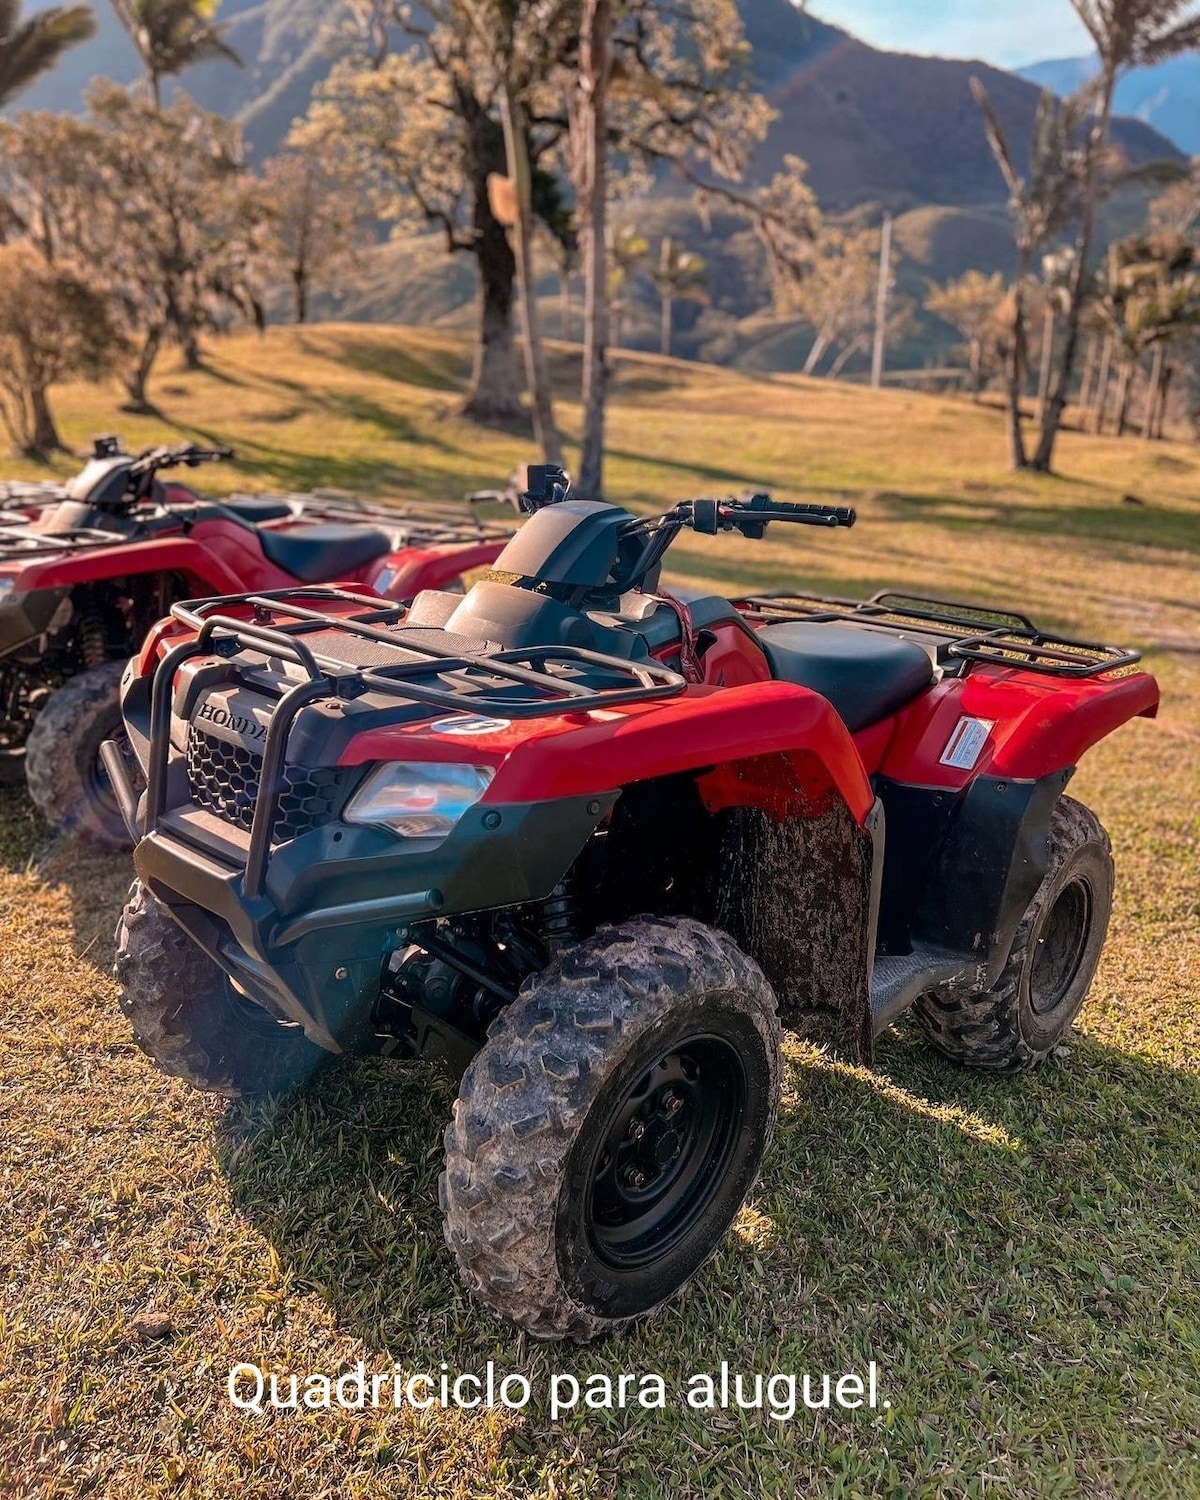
{"x": 970, "y": 304}
{"x": 1126, "y": 34}
{"x": 589, "y": 142}
{"x": 312, "y": 224}
{"x": 1042, "y": 203}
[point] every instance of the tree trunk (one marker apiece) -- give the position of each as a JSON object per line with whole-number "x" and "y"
{"x": 1086, "y": 384}
{"x": 1043, "y": 458}
{"x": 595, "y": 73}
{"x": 1153, "y": 395}
{"x": 1124, "y": 389}
{"x": 494, "y": 397}
{"x": 1164, "y": 396}
{"x": 138, "y": 379}
{"x": 43, "y": 432}
{"x": 1016, "y": 371}
{"x": 844, "y": 358}
{"x": 536, "y": 372}
{"x": 816, "y": 354}
{"x": 1102, "y": 384}
{"x": 300, "y": 278}
{"x": 1049, "y": 325}
{"x": 668, "y": 299}
{"x": 975, "y": 363}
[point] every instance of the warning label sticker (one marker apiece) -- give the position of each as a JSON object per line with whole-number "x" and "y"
{"x": 967, "y": 743}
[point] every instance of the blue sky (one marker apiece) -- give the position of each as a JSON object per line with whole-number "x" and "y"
{"x": 1010, "y": 35}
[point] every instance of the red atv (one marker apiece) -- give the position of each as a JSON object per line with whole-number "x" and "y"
{"x": 85, "y": 575}
{"x": 582, "y": 840}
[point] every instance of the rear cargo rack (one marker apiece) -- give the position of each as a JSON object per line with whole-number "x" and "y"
{"x": 544, "y": 672}
{"x": 965, "y": 632}
{"x": 17, "y": 542}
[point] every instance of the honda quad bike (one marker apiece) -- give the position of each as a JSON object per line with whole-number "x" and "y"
{"x": 83, "y": 578}
{"x": 583, "y": 840}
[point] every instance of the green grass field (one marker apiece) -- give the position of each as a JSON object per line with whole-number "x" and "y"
{"x": 1020, "y": 1258}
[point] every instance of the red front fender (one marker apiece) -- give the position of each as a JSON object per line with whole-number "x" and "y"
{"x": 767, "y": 744}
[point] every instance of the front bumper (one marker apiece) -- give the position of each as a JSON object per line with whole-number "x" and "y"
{"x": 336, "y": 903}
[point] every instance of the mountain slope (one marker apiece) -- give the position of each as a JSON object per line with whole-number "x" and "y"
{"x": 890, "y": 128}
{"x": 875, "y": 127}
{"x": 1166, "y": 97}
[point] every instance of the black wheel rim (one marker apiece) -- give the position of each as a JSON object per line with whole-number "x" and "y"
{"x": 664, "y": 1152}
{"x": 99, "y": 782}
{"x": 1061, "y": 945}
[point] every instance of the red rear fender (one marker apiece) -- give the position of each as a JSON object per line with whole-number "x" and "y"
{"x": 1004, "y": 722}
{"x": 406, "y": 574}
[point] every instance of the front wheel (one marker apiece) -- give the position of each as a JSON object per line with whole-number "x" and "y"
{"x": 1016, "y": 1024}
{"x": 67, "y": 780}
{"x": 609, "y": 1132}
{"x": 188, "y": 1017}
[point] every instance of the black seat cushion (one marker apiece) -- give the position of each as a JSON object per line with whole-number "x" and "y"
{"x": 865, "y": 674}
{"x": 257, "y": 511}
{"x": 323, "y": 554}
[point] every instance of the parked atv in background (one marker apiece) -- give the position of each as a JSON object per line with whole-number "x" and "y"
{"x": 582, "y": 840}
{"x": 84, "y": 576}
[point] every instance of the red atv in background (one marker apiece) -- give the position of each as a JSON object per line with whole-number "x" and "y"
{"x": 85, "y": 571}
{"x": 583, "y": 840}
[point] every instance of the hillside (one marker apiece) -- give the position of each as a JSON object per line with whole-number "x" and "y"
{"x": 1166, "y": 97}
{"x": 875, "y": 127}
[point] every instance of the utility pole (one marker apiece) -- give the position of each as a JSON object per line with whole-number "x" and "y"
{"x": 881, "y": 304}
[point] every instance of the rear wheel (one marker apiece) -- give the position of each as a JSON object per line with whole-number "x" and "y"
{"x": 611, "y": 1128}
{"x": 67, "y": 780}
{"x": 188, "y": 1017}
{"x": 1018, "y": 1022}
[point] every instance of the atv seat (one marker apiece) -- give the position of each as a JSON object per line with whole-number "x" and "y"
{"x": 865, "y": 674}
{"x": 257, "y": 511}
{"x": 323, "y": 554}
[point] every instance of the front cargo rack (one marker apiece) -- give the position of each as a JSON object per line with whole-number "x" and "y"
{"x": 964, "y": 632}
{"x": 547, "y": 674}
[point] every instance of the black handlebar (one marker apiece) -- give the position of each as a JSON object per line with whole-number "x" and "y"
{"x": 185, "y": 456}
{"x": 752, "y": 517}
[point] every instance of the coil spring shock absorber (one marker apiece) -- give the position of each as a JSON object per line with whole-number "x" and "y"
{"x": 93, "y": 640}
{"x": 559, "y": 926}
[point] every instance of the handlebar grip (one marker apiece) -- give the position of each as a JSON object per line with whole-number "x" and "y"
{"x": 832, "y": 515}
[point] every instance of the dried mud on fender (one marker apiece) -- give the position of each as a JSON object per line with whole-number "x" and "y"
{"x": 796, "y": 895}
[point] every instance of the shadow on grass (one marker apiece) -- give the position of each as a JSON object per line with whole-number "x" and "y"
{"x": 1129, "y": 526}
{"x": 1003, "y": 1249}
{"x": 376, "y": 358}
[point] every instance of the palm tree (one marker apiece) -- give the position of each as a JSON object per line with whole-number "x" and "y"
{"x": 172, "y": 35}
{"x": 29, "y": 48}
{"x": 1041, "y": 204}
{"x": 1127, "y": 34}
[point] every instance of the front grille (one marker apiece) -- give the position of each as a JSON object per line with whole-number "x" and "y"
{"x": 224, "y": 779}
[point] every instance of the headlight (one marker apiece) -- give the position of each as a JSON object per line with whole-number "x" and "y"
{"x": 6, "y": 587}
{"x": 419, "y": 800}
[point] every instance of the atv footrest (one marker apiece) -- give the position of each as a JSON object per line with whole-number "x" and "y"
{"x": 898, "y": 979}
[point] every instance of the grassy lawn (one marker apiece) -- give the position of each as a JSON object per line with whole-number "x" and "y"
{"x": 1020, "y": 1259}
